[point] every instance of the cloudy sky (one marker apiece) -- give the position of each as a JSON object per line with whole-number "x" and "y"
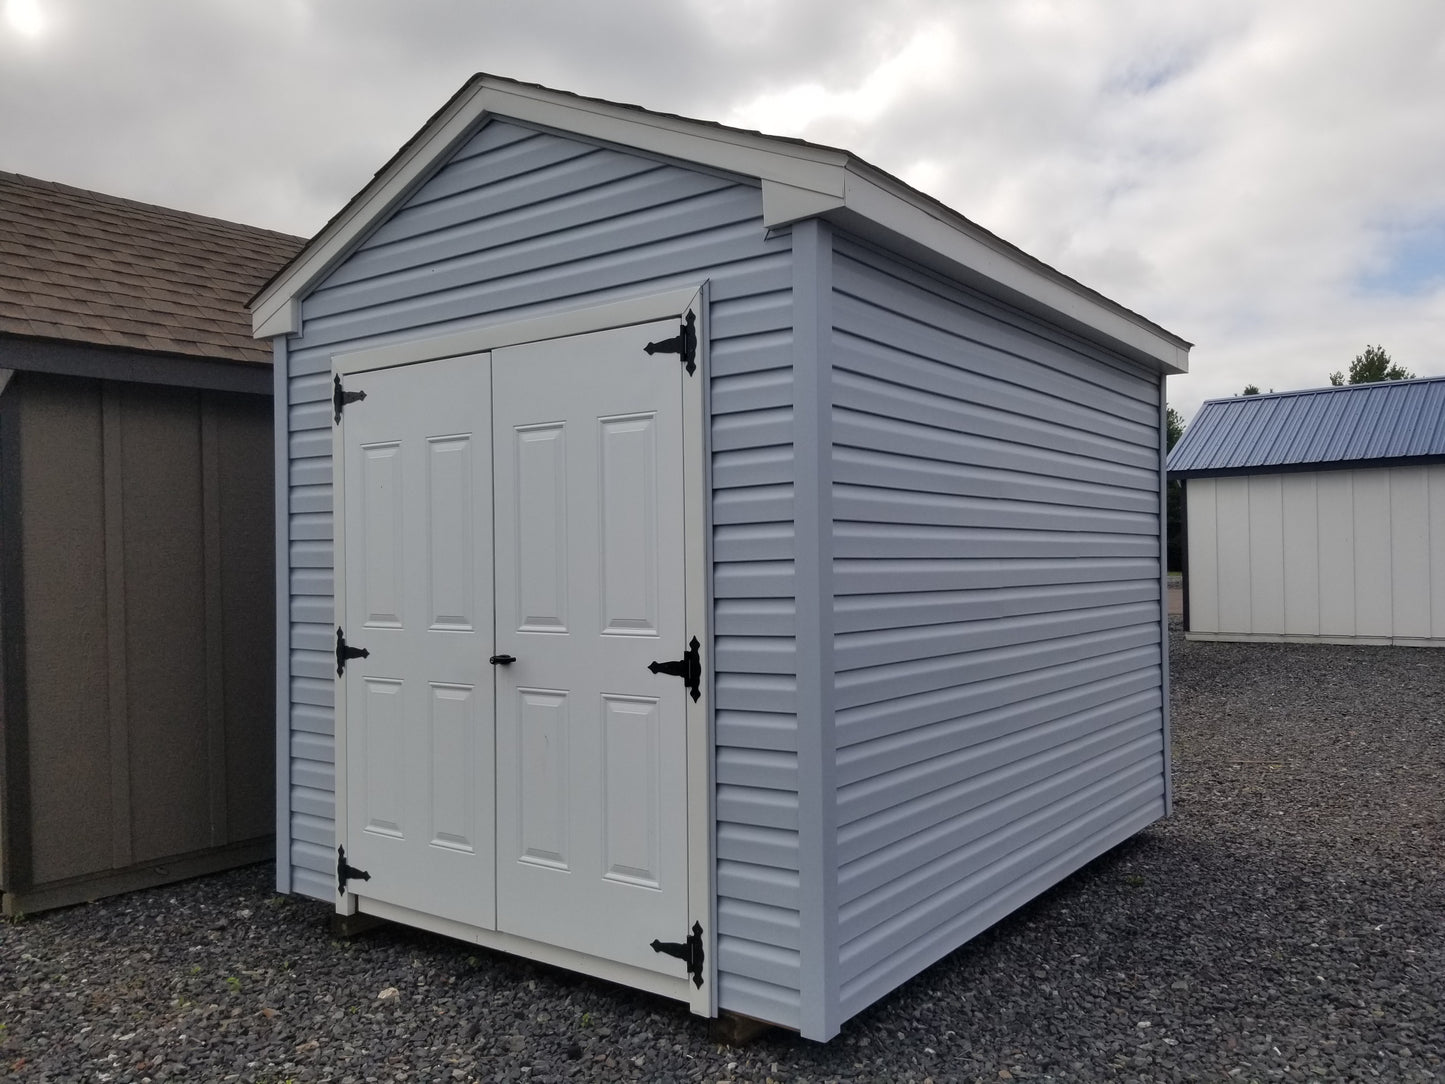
{"x": 1264, "y": 177}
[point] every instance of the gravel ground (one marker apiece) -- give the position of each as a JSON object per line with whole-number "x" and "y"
{"x": 1288, "y": 923}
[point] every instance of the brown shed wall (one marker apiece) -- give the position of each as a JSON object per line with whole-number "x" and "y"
{"x": 142, "y": 748}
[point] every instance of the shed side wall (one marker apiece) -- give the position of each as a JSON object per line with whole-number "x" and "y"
{"x": 148, "y": 746}
{"x": 519, "y": 224}
{"x": 1349, "y": 555}
{"x": 999, "y": 715}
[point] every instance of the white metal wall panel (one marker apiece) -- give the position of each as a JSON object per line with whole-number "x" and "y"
{"x": 1201, "y": 529}
{"x": 1336, "y": 508}
{"x": 1299, "y": 509}
{"x": 1360, "y": 554}
{"x": 1373, "y": 571}
{"x": 519, "y": 224}
{"x": 1266, "y": 554}
{"x": 997, "y": 639}
{"x": 1435, "y": 494}
{"x": 1409, "y": 528}
{"x": 1233, "y": 546}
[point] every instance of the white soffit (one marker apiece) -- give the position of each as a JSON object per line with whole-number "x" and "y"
{"x": 799, "y": 180}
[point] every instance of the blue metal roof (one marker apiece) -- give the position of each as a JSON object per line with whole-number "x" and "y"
{"x": 1321, "y": 427}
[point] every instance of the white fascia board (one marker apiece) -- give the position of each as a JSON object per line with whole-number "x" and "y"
{"x": 283, "y": 318}
{"x": 748, "y": 154}
{"x": 784, "y": 204}
{"x": 871, "y": 205}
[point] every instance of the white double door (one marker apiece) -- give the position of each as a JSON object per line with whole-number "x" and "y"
{"x": 525, "y": 503}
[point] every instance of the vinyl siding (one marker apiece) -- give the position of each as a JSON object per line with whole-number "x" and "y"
{"x": 516, "y": 225}
{"x": 998, "y": 690}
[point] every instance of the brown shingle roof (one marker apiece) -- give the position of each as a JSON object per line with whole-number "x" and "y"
{"x": 86, "y": 267}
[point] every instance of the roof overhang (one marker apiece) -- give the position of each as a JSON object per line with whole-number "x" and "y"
{"x": 799, "y": 180}
{"x": 60, "y": 357}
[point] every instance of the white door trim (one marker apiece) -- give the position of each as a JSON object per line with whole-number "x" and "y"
{"x": 701, "y": 894}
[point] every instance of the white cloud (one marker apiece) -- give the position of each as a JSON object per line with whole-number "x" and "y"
{"x": 25, "y": 17}
{"x": 921, "y": 65}
{"x": 1264, "y": 179}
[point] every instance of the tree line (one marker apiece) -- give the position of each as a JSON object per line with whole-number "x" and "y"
{"x": 1370, "y": 367}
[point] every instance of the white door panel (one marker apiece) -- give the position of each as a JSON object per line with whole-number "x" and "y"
{"x": 591, "y": 746}
{"x": 417, "y": 581}
{"x": 526, "y": 503}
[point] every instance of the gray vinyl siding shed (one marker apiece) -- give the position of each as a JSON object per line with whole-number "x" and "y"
{"x": 937, "y": 654}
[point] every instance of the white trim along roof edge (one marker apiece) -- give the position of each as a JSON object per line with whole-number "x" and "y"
{"x": 799, "y": 180}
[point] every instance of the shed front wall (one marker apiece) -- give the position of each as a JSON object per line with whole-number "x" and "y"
{"x": 144, "y": 626}
{"x": 1346, "y": 555}
{"x": 999, "y": 700}
{"x": 519, "y": 224}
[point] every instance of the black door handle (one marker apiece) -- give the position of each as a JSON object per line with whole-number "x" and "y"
{"x": 502, "y": 660}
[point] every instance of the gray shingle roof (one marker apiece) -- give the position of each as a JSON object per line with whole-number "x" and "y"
{"x": 84, "y": 267}
{"x": 1397, "y": 420}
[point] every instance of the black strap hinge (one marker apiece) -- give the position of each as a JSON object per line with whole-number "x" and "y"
{"x": 689, "y": 668}
{"x": 343, "y": 653}
{"x": 340, "y": 397}
{"x": 685, "y": 344}
{"x": 689, "y": 952}
{"x": 347, "y": 872}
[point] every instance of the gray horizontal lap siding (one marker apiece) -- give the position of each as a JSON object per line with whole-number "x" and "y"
{"x": 997, "y": 630}
{"x": 521, "y": 223}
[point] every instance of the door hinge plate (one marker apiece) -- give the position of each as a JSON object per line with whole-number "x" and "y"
{"x": 684, "y": 345}
{"x": 340, "y": 397}
{"x": 347, "y": 872}
{"x": 343, "y": 652}
{"x": 689, "y": 668}
{"x": 689, "y": 952}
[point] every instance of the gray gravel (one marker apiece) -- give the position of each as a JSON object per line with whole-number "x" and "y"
{"x": 1287, "y": 924}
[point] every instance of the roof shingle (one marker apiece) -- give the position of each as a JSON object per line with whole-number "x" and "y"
{"x": 90, "y": 268}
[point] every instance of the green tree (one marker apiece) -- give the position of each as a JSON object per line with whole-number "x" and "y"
{"x": 1371, "y": 367}
{"x": 1174, "y": 500}
{"x": 1250, "y": 389}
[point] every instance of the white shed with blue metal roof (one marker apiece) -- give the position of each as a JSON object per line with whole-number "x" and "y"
{"x": 1317, "y": 515}
{"x": 706, "y": 562}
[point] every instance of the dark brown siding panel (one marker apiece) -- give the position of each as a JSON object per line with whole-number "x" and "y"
{"x": 14, "y": 788}
{"x": 165, "y": 622}
{"x": 69, "y": 816}
{"x": 248, "y": 592}
{"x": 138, "y": 640}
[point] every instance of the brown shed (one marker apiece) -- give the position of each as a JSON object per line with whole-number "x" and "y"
{"x": 136, "y": 549}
